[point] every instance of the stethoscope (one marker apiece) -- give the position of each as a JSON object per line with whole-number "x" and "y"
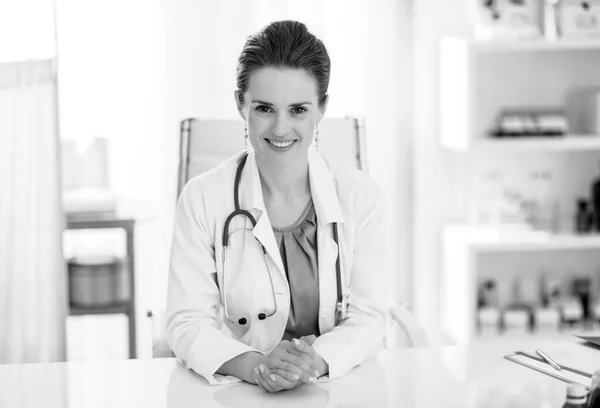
{"x": 341, "y": 305}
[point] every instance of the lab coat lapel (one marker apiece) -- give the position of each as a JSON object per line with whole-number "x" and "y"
{"x": 252, "y": 197}
{"x": 328, "y": 251}
{"x": 328, "y": 210}
{"x": 264, "y": 233}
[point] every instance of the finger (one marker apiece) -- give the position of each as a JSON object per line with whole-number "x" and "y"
{"x": 307, "y": 353}
{"x": 258, "y": 378}
{"x": 304, "y": 362}
{"x": 291, "y": 370}
{"x": 263, "y": 378}
{"x": 309, "y": 339}
{"x": 263, "y": 384}
{"x": 287, "y": 375}
{"x": 303, "y": 346}
{"x": 275, "y": 381}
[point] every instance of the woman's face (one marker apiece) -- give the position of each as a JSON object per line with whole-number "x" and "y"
{"x": 281, "y": 111}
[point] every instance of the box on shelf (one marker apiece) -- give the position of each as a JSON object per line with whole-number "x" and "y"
{"x": 488, "y": 321}
{"x": 96, "y": 281}
{"x": 572, "y": 311}
{"x": 583, "y": 107}
{"x": 579, "y": 18}
{"x": 546, "y": 320}
{"x": 505, "y": 19}
{"x": 516, "y": 321}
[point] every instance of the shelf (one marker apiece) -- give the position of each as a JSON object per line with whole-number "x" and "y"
{"x": 536, "y": 144}
{"x": 572, "y": 44}
{"x": 489, "y": 239}
{"x": 109, "y": 309}
{"x": 524, "y": 337}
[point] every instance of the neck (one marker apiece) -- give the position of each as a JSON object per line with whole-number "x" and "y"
{"x": 287, "y": 183}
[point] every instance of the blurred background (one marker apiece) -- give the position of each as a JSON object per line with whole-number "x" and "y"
{"x": 480, "y": 120}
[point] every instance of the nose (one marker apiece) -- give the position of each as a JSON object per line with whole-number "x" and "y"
{"x": 281, "y": 126}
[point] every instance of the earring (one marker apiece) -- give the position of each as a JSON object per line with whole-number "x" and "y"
{"x": 246, "y": 137}
{"x": 317, "y": 138}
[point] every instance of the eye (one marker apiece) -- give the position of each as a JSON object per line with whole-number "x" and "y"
{"x": 298, "y": 110}
{"x": 263, "y": 108}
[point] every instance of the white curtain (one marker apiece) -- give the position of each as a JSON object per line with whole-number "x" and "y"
{"x": 33, "y": 286}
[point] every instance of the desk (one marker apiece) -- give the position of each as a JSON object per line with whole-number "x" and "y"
{"x": 429, "y": 377}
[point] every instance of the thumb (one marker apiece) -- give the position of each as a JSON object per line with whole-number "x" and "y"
{"x": 309, "y": 339}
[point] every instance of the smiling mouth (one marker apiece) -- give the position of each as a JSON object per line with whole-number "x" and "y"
{"x": 281, "y": 145}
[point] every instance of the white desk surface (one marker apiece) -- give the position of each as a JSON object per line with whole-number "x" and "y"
{"x": 464, "y": 377}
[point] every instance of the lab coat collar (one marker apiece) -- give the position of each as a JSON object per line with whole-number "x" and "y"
{"x": 323, "y": 189}
{"x": 322, "y": 185}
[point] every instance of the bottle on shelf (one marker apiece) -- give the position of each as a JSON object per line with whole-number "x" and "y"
{"x": 488, "y": 314}
{"x": 551, "y": 290}
{"x": 576, "y": 396}
{"x": 596, "y": 203}
{"x": 583, "y": 218}
{"x": 582, "y": 287}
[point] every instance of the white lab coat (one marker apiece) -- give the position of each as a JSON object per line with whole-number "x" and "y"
{"x": 197, "y": 330}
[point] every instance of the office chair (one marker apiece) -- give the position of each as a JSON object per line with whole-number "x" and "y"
{"x": 342, "y": 141}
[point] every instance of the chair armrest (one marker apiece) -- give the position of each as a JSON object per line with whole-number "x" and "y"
{"x": 160, "y": 348}
{"x": 414, "y": 332}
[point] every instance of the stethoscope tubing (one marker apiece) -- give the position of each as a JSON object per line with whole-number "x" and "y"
{"x": 340, "y": 302}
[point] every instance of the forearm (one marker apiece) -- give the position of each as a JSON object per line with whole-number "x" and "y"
{"x": 242, "y": 366}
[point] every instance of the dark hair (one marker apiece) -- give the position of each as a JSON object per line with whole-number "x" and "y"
{"x": 285, "y": 44}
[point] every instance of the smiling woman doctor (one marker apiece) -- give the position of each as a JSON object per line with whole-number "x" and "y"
{"x": 277, "y": 272}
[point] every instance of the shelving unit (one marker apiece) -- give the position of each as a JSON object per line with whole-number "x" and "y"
{"x": 463, "y": 247}
{"x": 127, "y": 307}
{"x": 477, "y": 80}
{"x": 534, "y": 45}
{"x": 536, "y": 144}
{"x": 542, "y": 73}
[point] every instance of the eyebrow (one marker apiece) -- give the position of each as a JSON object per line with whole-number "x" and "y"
{"x": 270, "y": 104}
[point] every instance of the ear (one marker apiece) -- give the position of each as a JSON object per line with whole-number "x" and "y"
{"x": 239, "y": 104}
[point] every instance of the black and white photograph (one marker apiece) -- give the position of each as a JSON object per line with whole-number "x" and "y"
{"x": 326, "y": 203}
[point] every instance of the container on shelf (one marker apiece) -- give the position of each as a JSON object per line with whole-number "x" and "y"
{"x": 488, "y": 321}
{"x": 516, "y": 321}
{"x": 546, "y": 320}
{"x": 580, "y": 19}
{"x": 96, "y": 280}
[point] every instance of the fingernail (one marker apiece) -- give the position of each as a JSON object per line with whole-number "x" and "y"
{"x": 313, "y": 380}
{"x": 256, "y": 370}
{"x": 296, "y": 376}
{"x": 316, "y": 373}
{"x": 296, "y": 342}
{"x": 272, "y": 377}
{"x": 262, "y": 368}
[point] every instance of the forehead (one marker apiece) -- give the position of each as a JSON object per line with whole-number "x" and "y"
{"x": 282, "y": 86}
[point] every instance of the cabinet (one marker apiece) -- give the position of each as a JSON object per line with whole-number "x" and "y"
{"x": 478, "y": 80}
{"x": 125, "y": 307}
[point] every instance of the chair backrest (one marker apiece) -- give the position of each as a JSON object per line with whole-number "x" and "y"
{"x": 207, "y": 142}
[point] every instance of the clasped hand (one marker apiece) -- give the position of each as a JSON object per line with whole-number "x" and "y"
{"x": 289, "y": 365}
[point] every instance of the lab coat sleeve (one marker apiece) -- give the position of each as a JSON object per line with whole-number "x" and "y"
{"x": 362, "y": 332}
{"x": 193, "y": 294}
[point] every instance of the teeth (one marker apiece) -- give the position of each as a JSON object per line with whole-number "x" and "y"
{"x": 280, "y": 144}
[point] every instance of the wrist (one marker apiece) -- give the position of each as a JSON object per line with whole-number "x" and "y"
{"x": 252, "y": 360}
{"x": 242, "y": 366}
{"x": 323, "y": 367}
